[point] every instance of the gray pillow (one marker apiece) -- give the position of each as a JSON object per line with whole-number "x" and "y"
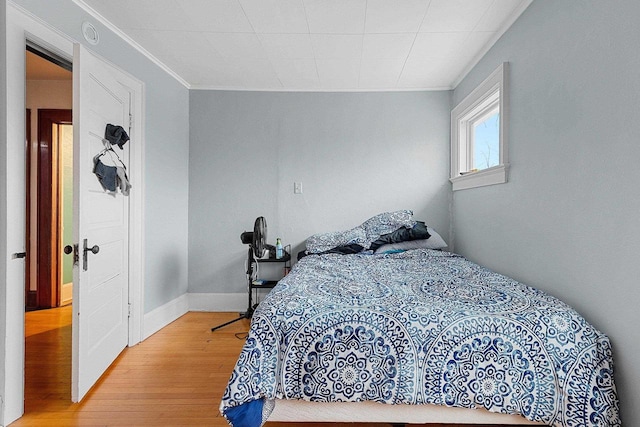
{"x": 433, "y": 242}
{"x": 402, "y": 234}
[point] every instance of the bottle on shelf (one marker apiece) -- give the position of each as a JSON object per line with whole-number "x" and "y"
{"x": 279, "y": 249}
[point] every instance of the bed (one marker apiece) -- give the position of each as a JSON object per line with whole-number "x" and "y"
{"x": 421, "y": 336}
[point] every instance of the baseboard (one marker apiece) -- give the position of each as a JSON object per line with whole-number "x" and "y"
{"x": 163, "y": 315}
{"x": 66, "y": 293}
{"x": 167, "y": 313}
{"x": 217, "y": 302}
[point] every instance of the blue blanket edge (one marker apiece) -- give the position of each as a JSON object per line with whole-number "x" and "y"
{"x": 246, "y": 415}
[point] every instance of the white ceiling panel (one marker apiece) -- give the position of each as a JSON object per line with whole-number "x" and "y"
{"x": 219, "y": 77}
{"x": 236, "y": 45}
{"x": 419, "y": 71}
{"x": 214, "y": 74}
{"x": 256, "y": 73}
{"x": 499, "y": 12}
{"x": 338, "y": 73}
{"x": 215, "y": 15}
{"x": 441, "y": 45}
{"x": 337, "y": 46}
{"x": 287, "y": 46}
{"x": 299, "y": 45}
{"x": 387, "y": 46}
{"x": 174, "y": 43}
{"x": 298, "y": 73}
{"x": 336, "y": 16}
{"x": 399, "y": 16}
{"x": 375, "y": 73}
{"x": 276, "y": 16}
{"x": 143, "y": 14}
{"x": 473, "y": 45}
{"x": 454, "y": 15}
{"x": 469, "y": 54}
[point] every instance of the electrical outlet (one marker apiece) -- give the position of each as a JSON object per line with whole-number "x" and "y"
{"x": 297, "y": 188}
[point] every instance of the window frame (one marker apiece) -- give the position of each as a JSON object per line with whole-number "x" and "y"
{"x": 476, "y": 105}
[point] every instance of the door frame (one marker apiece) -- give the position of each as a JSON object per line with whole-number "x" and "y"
{"x": 21, "y": 27}
{"x": 30, "y": 297}
{"x": 48, "y": 255}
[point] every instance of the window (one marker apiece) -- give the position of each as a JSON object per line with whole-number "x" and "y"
{"x": 478, "y": 134}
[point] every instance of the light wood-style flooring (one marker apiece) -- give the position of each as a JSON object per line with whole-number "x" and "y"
{"x": 174, "y": 378}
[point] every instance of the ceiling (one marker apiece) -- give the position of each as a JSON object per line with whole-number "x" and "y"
{"x": 312, "y": 45}
{"x": 38, "y": 68}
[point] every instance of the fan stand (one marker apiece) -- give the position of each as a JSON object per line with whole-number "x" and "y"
{"x": 250, "y": 306}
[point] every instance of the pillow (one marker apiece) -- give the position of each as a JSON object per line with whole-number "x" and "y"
{"x": 433, "y": 242}
{"x": 402, "y": 234}
{"x": 386, "y": 223}
{"x": 322, "y": 242}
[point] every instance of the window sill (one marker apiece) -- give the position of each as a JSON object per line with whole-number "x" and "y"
{"x": 481, "y": 178}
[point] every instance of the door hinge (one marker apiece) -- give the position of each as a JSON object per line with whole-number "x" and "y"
{"x": 129, "y": 310}
{"x": 130, "y": 122}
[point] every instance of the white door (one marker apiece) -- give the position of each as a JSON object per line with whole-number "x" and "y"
{"x": 101, "y": 279}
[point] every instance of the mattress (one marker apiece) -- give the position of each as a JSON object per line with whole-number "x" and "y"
{"x": 421, "y": 327}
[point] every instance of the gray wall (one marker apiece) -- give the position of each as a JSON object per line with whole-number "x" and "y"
{"x": 567, "y": 220}
{"x": 356, "y": 154}
{"x": 166, "y": 151}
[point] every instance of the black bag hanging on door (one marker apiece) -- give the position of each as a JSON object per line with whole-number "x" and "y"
{"x": 112, "y": 177}
{"x": 116, "y": 135}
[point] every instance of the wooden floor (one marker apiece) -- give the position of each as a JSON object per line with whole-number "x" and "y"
{"x": 174, "y": 378}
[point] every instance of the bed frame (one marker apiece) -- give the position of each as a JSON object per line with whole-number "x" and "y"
{"x": 303, "y": 411}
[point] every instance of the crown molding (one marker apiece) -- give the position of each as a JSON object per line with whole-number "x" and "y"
{"x": 104, "y": 21}
{"x": 302, "y": 90}
{"x": 503, "y": 29}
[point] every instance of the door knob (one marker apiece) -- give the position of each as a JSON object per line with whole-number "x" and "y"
{"x": 69, "y": 249}
{"x": 94, "y": 250}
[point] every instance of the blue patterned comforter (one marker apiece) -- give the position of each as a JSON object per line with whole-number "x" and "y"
{"x": 421, "y": 327}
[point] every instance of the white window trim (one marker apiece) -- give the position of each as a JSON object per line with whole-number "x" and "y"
{"x": 464, "y": 114}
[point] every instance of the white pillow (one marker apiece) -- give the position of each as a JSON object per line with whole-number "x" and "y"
{"x": 322, "y": 242}
{"x": 387, "y": 222}
{"x": 433, "y": 242}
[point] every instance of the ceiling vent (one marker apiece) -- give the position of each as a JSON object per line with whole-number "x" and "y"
{"x": 90, "y": 33}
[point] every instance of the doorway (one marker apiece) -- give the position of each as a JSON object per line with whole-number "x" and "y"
{"x": 21, "y": 24}
{"x": 49, "y": 220}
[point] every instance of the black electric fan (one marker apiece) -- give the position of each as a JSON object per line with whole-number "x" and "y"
{"x": 257, "y": 241}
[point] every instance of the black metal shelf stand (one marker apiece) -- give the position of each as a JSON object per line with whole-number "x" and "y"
{"x": 258, "y": 284}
